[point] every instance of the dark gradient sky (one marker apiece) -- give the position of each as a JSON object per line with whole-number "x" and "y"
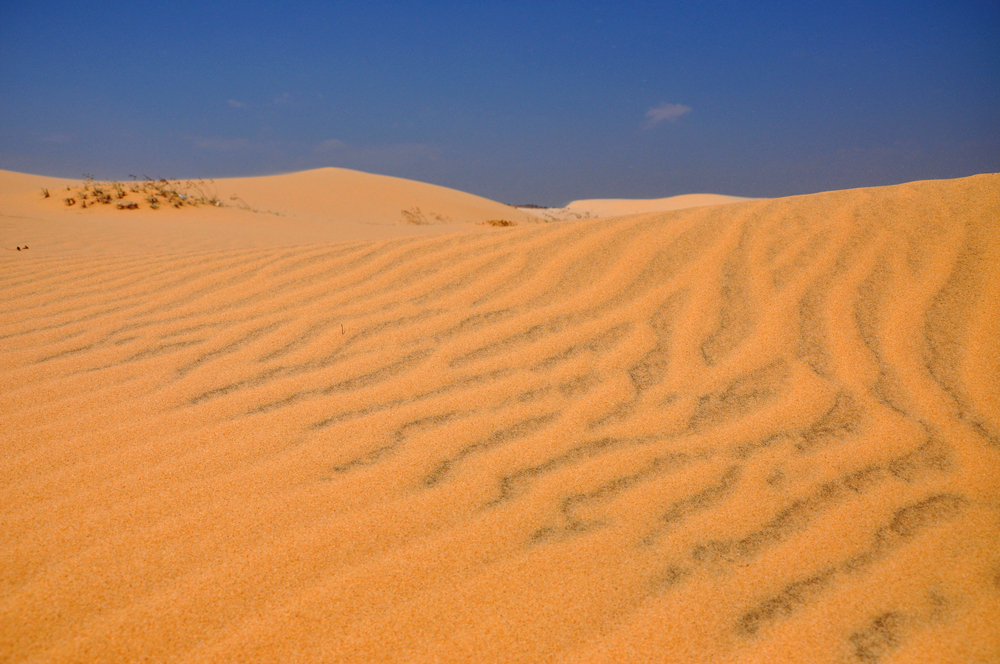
{"x": 520, "y": 102}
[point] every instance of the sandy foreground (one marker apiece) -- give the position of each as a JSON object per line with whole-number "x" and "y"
{"x": 767, "y": 431}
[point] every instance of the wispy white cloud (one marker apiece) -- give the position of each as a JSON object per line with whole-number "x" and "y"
{"x": 665, "y": 111}
{"x": 235, "y": 103}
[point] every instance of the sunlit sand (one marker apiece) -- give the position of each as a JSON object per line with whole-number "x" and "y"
{"x": 307, "y": 428}
{"x": 599, "y": 208}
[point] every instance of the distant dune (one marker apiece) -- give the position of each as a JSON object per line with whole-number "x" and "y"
{"x": 766, "y": 431}
{"x": 598, "y": 208}
{"x": 323, "y": 205}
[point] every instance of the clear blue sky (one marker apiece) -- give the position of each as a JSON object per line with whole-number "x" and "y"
{"x": 534, "y": 102}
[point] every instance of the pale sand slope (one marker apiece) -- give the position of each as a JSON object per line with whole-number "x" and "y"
{"x": 599, "y": 208}
{"x": 324, "y": 205}
{"x": 761, "y": 432}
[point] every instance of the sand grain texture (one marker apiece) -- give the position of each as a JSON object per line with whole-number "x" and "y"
{"x": 759, "y": 432}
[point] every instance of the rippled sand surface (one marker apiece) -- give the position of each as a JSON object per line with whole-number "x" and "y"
{"x": 762, "y": 432}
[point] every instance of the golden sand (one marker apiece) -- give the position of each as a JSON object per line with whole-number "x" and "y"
{"x": 323, "y": 205}
{"x": 599, "y": 208}
{"x": 760, "y": 432}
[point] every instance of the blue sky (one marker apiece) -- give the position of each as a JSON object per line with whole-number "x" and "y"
{"x": 540, "y": 102}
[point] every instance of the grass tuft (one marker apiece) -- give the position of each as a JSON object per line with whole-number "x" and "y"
{"x": 152, "y": 193}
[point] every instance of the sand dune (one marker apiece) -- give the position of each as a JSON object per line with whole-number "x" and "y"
{"x": 323, "y": 205}
{"x": 759, "y": 432}
{"x": 600, "y": 208}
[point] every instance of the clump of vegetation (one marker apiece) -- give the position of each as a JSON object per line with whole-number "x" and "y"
{"x": 413, "y": 216}
{"x": 153, "y": 193}
{"x": 498, "y": 222}
{"x": 417, "y": 218}
{"x": 45, "y": 192}
{"x": 242, "y": 204}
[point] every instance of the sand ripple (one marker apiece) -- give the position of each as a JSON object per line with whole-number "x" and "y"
{"x": 766, "y": 431}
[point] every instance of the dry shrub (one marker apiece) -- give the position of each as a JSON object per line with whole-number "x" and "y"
{"x": 153, "y": 193}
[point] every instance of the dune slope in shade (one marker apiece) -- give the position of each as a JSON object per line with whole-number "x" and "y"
{"x": 766, "y": 431}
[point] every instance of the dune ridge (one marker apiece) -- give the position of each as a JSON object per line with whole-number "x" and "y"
{"x": 766, "y": 431}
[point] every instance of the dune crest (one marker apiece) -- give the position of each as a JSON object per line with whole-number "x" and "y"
{"x": 759, "y": 432}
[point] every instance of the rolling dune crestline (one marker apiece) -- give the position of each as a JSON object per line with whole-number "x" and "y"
{"x": 346, "y": 418}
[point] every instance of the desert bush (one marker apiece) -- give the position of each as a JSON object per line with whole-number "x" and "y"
{"x": 416, "y": 217}
{"x": 413, "y": 216}
{"x": 152, "y": 192}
